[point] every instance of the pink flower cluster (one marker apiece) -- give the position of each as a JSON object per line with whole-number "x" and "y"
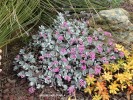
{"x": 31, "y": 90}
{"x": 71, "y": 90}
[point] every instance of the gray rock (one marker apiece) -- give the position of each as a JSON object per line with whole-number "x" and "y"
{"x": 118, "y": 21}
{"x": 130, "y": 1}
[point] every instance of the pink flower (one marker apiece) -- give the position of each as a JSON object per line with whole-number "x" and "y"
{"x": 64, "y": 59}
{"x": 73, "y": 56}
{"x": 104, "y": 58}
{"x": 55, "y": 62}
{"x": 63, "y": 50}
{"x": 64, "y": 24}
{"x": 121, "y": 54}
{"x": 47, "y": 78}
{"x": 73, "y": 41}
{"x": 68, "y": 78}
{"x": 97, "y": 70}
{"x": 31, "y": 90}
{"x": 73, "y": 50}
{"x": 83, "y": 67}
{"x": 113, "y": 57}
{"x": 50, "y": 68}
{"x": 107, "y": 34}
{"x": 71, "y": 90}
{"x": 60, "y": 38}
{"x": 68, "y": 67}
{"x": 96, "y": 38}
{"x": 100, "y": 49}
{"x": 41, "y": 57}
{"x": 110, "y": 42}
{"x": 43, "y": 35}
{"x": 90, "y": 39}
{"x": 82, "y": 83}
{"x": 56, "y": 69}
{"x": 92, "y": 55}
{"x": 82, "y": 61}
{"x": 22, "y": 76}
{"x": 109, "y": 50}
{"x": 83, "y": 32}
{"x": 57, "y": 32}
{"x": 81, "y": 48}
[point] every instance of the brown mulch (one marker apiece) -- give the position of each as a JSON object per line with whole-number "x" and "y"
{"x": 127, "y": 6}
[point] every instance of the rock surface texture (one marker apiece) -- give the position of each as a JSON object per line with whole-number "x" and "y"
{"x": 118, "y": 22}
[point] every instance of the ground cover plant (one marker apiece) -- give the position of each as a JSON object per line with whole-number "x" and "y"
{"x": 116, "y": 77}
{"x": 65, "y": 54}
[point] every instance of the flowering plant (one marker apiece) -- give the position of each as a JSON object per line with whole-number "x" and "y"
{"x": 116, "y": 77}
{"x": 64, "y": 54}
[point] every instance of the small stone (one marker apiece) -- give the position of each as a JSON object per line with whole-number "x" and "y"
{"x": 6, "y": 91}
{"x": 31, "y": 98}
{"x": 7, "y": 85}
{"x": 11, "y": 81}
{"x": 5, "y": 97}
{"x": 11, "y": 97}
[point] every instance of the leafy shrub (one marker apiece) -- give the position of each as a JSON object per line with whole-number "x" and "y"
{"x": 63, "y": 55}
{"x": 116, "y": 77}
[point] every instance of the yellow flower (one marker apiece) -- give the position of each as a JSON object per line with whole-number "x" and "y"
{"x": 113, "y": 88}
{"x": 97, "y": 97}
{"x": 100, "y": 86}
{"x": 128, "y": 76}
{"x": 122, "y": 86}
{"x": 105, "y": 95}
{"x": 90, "y": 79}
{"x": 88, "y": 89}
{"x": 121, "y": 78}
{"x": 107, "y": 76}
{"x": 107, "y": 66}
{"x": 115, "y": 67}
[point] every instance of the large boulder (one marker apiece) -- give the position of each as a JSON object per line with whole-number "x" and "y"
{"x": 131, "y": 1}
{"x": 117, "y": 21}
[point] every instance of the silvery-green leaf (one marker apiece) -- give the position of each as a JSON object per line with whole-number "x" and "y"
{"x": 38, "y": 86}
{"x": 21, "y": 73}
{"x": 34, "y": 37}
{"x": 65, "y": 87}
{"x": 22, "y": 51}
{"x": 16, "y": 68}
{"x": 29, "y": 73}
{"x": 91, "y": 71}
{"x": 32, "y": 83}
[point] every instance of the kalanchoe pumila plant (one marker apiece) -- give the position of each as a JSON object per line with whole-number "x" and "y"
{"x": 65, "y": 54}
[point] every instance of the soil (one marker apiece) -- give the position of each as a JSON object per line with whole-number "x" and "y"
{"x": 14, "y": 88}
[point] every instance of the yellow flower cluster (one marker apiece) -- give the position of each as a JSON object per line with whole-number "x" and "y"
{"x": 115, "y": 77}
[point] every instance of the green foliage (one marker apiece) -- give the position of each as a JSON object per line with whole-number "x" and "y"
{"x": 15, "y": 15}
{"x": 51, "y": 7}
